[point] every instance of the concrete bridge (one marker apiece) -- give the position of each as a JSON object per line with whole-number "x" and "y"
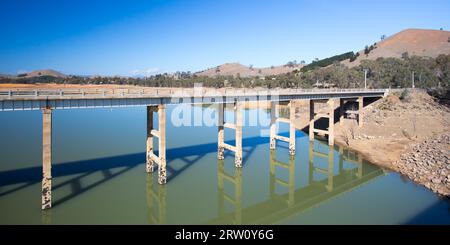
{"x": 155, "y": 100}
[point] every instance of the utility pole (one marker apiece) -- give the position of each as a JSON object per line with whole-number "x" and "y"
{"x": 365, "y": 78}
{"x": 412, "y": 79}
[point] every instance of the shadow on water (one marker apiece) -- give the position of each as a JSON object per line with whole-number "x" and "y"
{"x": 432, "y": 214}
{"x": 29, "y": 176}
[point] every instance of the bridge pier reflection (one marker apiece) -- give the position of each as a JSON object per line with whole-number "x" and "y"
{"x": 289, "y": 184}
{"x": 329, "y": 171}
{"x": 156, "y": 202}
{"x": 236, "y": 201}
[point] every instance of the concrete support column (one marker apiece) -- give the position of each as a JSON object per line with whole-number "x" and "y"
{"x": 360, "y": 110}
{"x": 292, "y": 128}
{"x": 46, "y": 158}
{"x": 311, "y": 120}
{"x": 331, "y": 122}
{"x": 150, "y": 163}
{"x": 341, "y": 111}
{"x": 162, "y": 175}
{"x": 238, "y": 138}
{"x": 273, "y": 125}
{"x": 220, "y": 134}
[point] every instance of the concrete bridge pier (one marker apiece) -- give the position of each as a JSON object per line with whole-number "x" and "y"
{"x": 237, "y": 126}
{"x": 313, "y": 117}
{"x": 46, "y": 158}
{"x": 160, "y": 133}
{"x": 291, "y": 121}
{"x": 360, "y": 110}
{"x": 358, "y": 113}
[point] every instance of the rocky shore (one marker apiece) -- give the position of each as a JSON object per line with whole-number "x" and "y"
{"x": 428, "y": 163}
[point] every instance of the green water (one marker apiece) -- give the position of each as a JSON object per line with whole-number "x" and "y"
{"x": 99, "y": 177}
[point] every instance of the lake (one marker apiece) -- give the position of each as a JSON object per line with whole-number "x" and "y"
{"x": 99, "y": 177}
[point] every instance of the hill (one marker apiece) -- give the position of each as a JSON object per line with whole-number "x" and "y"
{"x": 233, "y": 69}
{"x": 420, "y": 42}
{"x": 46, "y": 72}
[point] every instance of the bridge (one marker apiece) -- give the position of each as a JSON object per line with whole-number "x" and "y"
{"x": 156, "y": 100}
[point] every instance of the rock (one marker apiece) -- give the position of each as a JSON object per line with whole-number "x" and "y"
{"x": 436, "y": 181}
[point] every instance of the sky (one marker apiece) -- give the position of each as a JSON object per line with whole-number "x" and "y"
{"x": 144, "y": 37}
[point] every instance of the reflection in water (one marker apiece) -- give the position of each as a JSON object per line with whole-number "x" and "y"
{"x": 236, "y": 201}
{"x": 324, "y": 183}
{"x": 46, "y": 217}
{"x": 156, "y": 202}
{"x": 289, "y": 184}
{"x": 328, "y": 171}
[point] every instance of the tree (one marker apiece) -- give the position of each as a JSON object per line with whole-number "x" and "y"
{"x": 383, "y": 37}
{"x": 251, "y": 67}
{"x": 366, "y": 50}
{"x": 405, "y": 55}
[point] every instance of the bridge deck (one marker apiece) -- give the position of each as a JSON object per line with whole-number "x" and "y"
{"x": 27, "y": 99}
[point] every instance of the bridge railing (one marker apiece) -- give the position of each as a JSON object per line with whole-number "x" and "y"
{"x": 162, "y": 92}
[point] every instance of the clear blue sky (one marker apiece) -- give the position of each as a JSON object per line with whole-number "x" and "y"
{"x": 122, "y": 37}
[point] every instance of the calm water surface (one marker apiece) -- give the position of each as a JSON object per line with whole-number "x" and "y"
{"x": 99, "y": 177}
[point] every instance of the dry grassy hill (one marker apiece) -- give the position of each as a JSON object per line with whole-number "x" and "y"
{"x": 420, "y": 42}
{"x": 232, "y": 69}
{"x": 47, "y": 72}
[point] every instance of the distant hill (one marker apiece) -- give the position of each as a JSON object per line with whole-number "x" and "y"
{"x": 233, "y": 69}
{"x": 5, "y": 75}
{"x": 46, "y": 72}
{"x": 420, "y": 42}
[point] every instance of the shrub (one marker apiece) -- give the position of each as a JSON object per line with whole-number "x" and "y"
{"x": 405, "y": 95}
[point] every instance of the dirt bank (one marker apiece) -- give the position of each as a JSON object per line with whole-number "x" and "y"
{"x": 393, "y": 130}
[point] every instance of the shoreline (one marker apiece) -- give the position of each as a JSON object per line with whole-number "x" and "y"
{"x": 395, "y": 141}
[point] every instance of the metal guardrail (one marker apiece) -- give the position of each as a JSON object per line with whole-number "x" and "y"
{"x": 162, "y": 92}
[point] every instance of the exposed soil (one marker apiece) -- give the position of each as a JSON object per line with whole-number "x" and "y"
{"x": 394, "y": 130}
{"x": 420, "y": 42}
